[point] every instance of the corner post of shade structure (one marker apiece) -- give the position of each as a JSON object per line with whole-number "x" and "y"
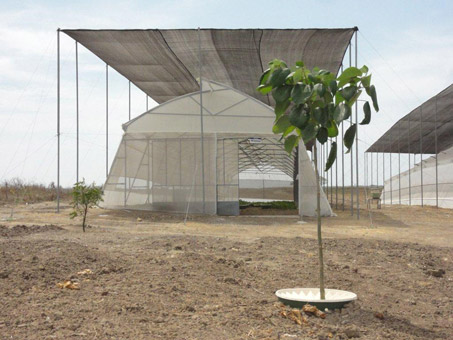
{"x": 58, "y": 120}
{"x": 421, "y": 157}
{"x": 147, "y": 107}
{"x": 336, "y": 177}
{"x": 399, "y": 171}
{"x": 351, "y": 150}
{"x": 106, "y": 121}
{"x": 357, "y": 138}
{"x": 201, "y": 120}
{"x": 391, "y": 174}
{"x": 409, "y": 161}
{"x": 435, "y": 150}
{"x": 383, "y": 176}
{"x": 77, "y": 109}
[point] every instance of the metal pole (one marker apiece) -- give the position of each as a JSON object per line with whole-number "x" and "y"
{"x": 409, "y": 159}
{"x": 201, "y": 120}
{"x": 352, "y": 165}
{"x": 342, "y": 157}
{"x": 58, "y": 120}
{"x": 125, "y": 172}
{"x": 106, "y": 120}
{"x": 357, "y": 142}
{"x": 147, "y": 103}
{"x": 399, "y": 171}
{"x": 371, "y": 172}
{"x": 377, "y": 169}
{"x": 383, "y": 176}
{"x": 336, "y": 179}
{"x": 77, "y": 110}
{"x": 435, "y": 147}
{"x": 391, "y": 180}
{"x": 129, "y": 100}
{"x": 421, "y": 157}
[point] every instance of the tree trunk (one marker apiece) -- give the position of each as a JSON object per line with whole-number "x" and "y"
{"x": 318, "y": 215}
{"x": 85, "y": 211}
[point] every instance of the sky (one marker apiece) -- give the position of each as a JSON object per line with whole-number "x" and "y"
{"x": 407, "y": 45}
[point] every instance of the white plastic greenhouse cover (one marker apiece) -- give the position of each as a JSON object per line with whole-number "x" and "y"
{"x": 158, "y": 165}
{"x": 444, "y": 187}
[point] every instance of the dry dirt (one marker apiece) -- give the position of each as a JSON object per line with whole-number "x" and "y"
{"x": 215, "y": 278}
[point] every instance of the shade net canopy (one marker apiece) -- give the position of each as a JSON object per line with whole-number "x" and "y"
{"x": 164, "y": 163}
{"x": 428, "y": 129}
{"x": 166, "y": 63}
{"x": 414, "y": 188}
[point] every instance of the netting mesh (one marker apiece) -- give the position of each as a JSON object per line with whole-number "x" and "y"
{"x": 163, "y": 174}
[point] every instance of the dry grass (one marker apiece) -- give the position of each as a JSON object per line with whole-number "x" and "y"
{"x": 18, "y": 191}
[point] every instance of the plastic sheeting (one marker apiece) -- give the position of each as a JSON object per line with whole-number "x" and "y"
{"x": 412, "y": 194}
{"x": 166, "y": 63}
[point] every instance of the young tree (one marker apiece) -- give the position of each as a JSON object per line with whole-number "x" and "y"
{"x": 310, "y": 105}
{"x": 84, "y": 197}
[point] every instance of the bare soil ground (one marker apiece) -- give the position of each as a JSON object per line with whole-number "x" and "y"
{"x": 152, "y": 277}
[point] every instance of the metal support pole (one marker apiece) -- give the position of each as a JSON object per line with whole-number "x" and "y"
{"x": 435, "y": 150}
{"x": 129, "y": 100}
{"x": 58, "y": 120}
{"x": 351, "y": 151}
{"x": 201, "y": 120}
{"x": 409, "y": 159}
{"x": 391, "y": 180}
{"x": 383, "y": 177}
{"x": 357, "y": 142}
{"x": 125, "y": 172}
{"x": 342, "y": 166}
{"x": 147, "y": 103}
{"x": 77, "y": 109}
{"x": 399, "y": 171}
{"x": 421, "y": 157}
{"x": 106, "y": 120}
{"x": 377, "y": 169}
{"x": 336, "y": 179}
{"x": 371, "y": 172}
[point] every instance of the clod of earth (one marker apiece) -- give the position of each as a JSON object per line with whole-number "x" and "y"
{"x": 312, "y": 310}
{"x": 69, "y": 285}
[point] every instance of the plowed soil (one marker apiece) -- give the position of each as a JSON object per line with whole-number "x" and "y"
{"x": 214, "y": 278}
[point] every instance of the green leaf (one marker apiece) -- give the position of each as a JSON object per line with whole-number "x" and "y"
{"x": 321, "y": 115}
{"x": 290, "y": 129}
{"x": 333, "y": 86}
{"x": 265, "y": 76}
{"x": 298, "y": 117}
{"x": 347, "y": 75}
{"x": 281, "y": 124}
{"x": 280, "y": 108}
{"x": 300, "y": 63}
{"x": 349, "y": 136}
{"x": 282, "y": 93}
{"x": 298, "y": 74}
{"x": 332, "y": 129}
{"x": 332, "y": 156}
{"x": 367, "y": 112}
{"x": 300, "y": 93}
{"x": 291, "y": 142}
{"x": 338, "y": 98}
{"x": 342, "y": 112}
{"x": 322, "y": 135}
{"x": 364, "y": 69}
{"x": 372, "y": 93}
{"x": 349, "y": 92}
{"x": 309, "y": 132}
{"x": 319, "y": 89}
{"x": 264, "y": 89}
{"x": 354, "y": 98}
{"x": 366, "y": 81}
{"x": 278, "y": 77}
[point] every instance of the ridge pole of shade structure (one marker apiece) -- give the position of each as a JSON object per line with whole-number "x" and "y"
{"x": 129, "y": 100}
{"x": 201, "y": 120}
{"x": 351, "y": 188}
{"x": 106, "y": 120}
{"x": 399, "y": 171}
{"x": 421, "y": 157}
{"x": 77, "y": 109}
{"x": 58, "y": 120}
{"x": 409, "y": 159}
{"x": 435, "y": 150}
{"x": 357, "y": 141}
